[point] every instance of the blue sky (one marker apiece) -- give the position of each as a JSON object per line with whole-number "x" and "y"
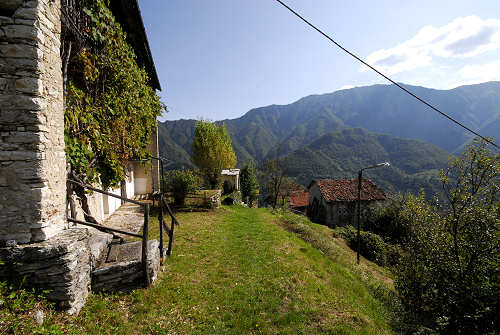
{"x": 218, "y": 59}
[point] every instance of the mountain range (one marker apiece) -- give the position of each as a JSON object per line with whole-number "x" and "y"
{"x": 315, "y": 134}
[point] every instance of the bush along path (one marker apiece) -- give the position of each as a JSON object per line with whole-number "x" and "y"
{"x": 238, "y": 271}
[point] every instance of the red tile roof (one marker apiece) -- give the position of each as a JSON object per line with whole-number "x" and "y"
{"x": 299, "y": 199}
{"x": 347, "y": 190}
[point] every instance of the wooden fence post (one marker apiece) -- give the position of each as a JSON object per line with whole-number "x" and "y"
{"x": 145, "y": 232}
{"x": 160, "y": 220}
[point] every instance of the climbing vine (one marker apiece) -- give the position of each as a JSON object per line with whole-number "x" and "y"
{"x": 110, "y": 107}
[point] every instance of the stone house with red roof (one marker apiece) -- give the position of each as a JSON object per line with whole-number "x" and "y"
{"x": 299, "y": 201}
{"x": 333, "y": 202}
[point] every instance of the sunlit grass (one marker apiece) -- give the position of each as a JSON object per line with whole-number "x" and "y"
{"x": 238, "y": 271}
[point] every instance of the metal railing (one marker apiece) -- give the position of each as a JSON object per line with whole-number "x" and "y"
{"x": 162, "y": 204}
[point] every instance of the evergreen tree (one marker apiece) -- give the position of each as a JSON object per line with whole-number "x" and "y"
{"x": 249, "y": 184}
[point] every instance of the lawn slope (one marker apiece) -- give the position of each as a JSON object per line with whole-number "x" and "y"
{"x": 239, "y": 271}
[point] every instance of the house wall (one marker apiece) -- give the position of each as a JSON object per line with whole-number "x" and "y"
{"x": 33, "y": 162}
{"x": 317, "y": 209}
{"x": 155, "y": 168}
{"x": 147, "y": 179}
{"x": 343, "y": 213}
{"x": 336, "y": 213}
{"x": 143, "y": 182}
{"x": 111, "y": 204}
{"x": 32, "y": 157}
{"x": 130, "y": 182}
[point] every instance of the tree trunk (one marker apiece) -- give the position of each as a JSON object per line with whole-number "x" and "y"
{"x": 82, "y": 195}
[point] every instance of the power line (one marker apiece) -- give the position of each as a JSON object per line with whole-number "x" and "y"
{"x": 386, "y": 77}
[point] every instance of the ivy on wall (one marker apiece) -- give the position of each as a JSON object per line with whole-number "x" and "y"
{"x": 111, "y": 109}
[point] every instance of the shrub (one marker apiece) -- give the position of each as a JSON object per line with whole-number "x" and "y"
{"x": 181, "y": 182}
{"x": 383, "y": 219}
{"x": 372, "y": 246}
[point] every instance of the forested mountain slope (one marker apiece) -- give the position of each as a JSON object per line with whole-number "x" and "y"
{"x": 340, "y": 154}
{"x": 382, "y": 109}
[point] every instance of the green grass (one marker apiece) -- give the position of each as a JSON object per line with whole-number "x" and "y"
{"x": 239, "y": 271}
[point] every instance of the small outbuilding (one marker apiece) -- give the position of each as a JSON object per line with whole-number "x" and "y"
{"x": 232, "y": 176}
{"x": 333, "y": 202}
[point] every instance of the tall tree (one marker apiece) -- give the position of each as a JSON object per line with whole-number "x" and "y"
{"x": 273, "y": 172}
{"x": 450, "y": 273}
{"x": 287, "y": 187}
{"x": 249, "y": 184}
{"x": 212, "y": 150}
{"x": 273, "y": 175}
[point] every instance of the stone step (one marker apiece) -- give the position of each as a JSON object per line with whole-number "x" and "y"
{"x": 98, "y": 244}
{"x": 124, "y": 271}
{"x": 113, "y": 253}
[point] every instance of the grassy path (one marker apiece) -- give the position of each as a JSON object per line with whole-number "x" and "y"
{"x": 235, "y": 271}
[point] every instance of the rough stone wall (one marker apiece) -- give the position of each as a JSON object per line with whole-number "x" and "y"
{"x": 128, "y": 273}
{"x": 32, "y": 158}
{"x": 61, "y": 265}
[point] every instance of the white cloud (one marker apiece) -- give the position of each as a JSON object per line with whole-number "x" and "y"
{"x": 346, "y": 87}
{"x": 462, "y": 38}
{"x": 479, "y": 73}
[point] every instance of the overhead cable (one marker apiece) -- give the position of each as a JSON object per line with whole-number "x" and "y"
{"x": 387, "y": 77}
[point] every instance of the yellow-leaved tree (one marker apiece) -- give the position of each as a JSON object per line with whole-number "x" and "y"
{"x": 212, "y": 150}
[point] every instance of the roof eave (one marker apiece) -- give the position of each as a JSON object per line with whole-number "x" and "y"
{"x": 128, "y": 14}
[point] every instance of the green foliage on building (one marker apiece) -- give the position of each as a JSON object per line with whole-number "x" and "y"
{"x": 111, "y": 108}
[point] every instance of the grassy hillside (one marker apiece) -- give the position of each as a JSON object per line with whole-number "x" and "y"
{"x": 239, "y": 271}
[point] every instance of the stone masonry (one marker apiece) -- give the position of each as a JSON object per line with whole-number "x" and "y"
{"x": 60, "y": 265}
{"x": 32, "y": 158}
{"x": 36, "y": 245}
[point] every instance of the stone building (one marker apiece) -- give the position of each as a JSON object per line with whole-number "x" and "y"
{"x": 35, "y": 239}
{"x": 232, "y": 176}
{"x": 333, "y": 202}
